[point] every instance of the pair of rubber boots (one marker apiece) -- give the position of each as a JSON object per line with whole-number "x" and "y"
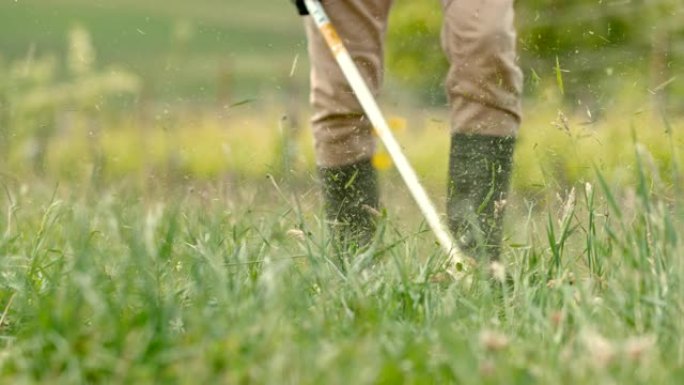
{"x": 479, "y": 178}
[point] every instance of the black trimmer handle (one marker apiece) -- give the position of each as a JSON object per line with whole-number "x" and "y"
{"x": 301, "y": 7}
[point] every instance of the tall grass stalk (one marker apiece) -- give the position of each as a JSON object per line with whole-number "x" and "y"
{"x": 205, "y": 285}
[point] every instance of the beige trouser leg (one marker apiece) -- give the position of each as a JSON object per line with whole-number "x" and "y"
{"x": 483, "y": 83}
{"x": 342, "y": 134}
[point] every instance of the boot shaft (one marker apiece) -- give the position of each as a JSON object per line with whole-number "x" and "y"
{"x": 350, "y": 197}
{"x": 479, "y": 178}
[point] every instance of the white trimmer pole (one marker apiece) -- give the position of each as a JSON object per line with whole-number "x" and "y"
{"x": 370, "y": 106}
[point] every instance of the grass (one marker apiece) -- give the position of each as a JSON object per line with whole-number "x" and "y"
{"x": 143, "y": 241}
{"x": 207, "y": 143}
{"x": 208, "y": 283}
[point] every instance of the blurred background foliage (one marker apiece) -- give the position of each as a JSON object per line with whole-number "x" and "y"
{"x": 152, "y": 90}
{"x": 600, "y": 47}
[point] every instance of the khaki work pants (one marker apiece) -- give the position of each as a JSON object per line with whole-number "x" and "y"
{"x": 483, "y": 83}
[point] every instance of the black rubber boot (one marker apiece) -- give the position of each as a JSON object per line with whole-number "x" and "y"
{"x": 351, "y": 198}
{"x": 479, "y": 178}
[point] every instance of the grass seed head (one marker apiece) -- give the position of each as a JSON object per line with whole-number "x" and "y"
{"x": 557, "y": 318}
{"x": 493, "y": 341}
{"x": 601, "y": 352}
{"x": 296, "y": 234}
{"x": 638, "y": 348}
{"x": 498, "y": 271}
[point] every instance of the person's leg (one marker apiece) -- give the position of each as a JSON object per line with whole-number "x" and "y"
{"x": 484, "y": 88}
{"x": 343, "y": 139}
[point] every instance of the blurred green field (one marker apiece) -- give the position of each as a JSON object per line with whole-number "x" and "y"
{"x": 183, "y": 50}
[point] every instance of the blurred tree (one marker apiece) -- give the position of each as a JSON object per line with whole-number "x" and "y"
{"x": 597, "y": 44}
{"x": 667, "y": 16}
{"x": 414, "y": 49}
